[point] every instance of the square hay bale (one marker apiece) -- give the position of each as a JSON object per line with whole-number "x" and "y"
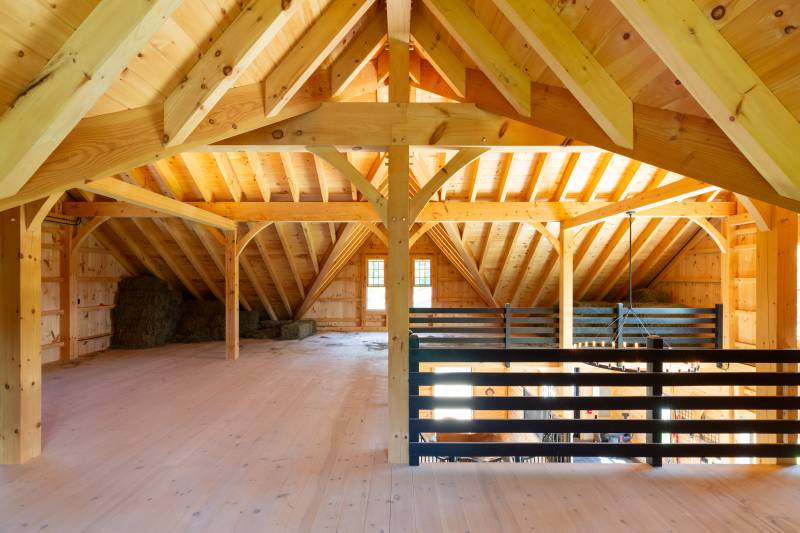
{"x": 298, "y": 329}
{"x": 146, "y": 314}
{"x": 203, "y": 321}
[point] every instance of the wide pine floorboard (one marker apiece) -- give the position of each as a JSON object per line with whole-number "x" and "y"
{"x": 292, "y": 437}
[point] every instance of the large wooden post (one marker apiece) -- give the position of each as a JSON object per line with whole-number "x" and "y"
{"x": 397, "y": 309}
{"x": 727, "y": 267}
{"x": 20, "y": 336}
{"x": 776, "y": 301}
{"x": 231, "y": 296}
{"x": 565, "y": 288}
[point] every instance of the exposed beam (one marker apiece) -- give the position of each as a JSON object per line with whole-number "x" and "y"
{"x": 761, "y": 213}
{"x": 340, "y": 162}
{"x": 257, "y": 166}
{"x": 71, "y": 82}
{"x": 287, "y": 250}
{"x": 440, "y": 125}
{"x": 195, "y": 167}
{"x": 84, "y": 230}
{"x": 716, "y": 236}
{"x": 312, "y": 249}
{"x": 147, "y": 261}
{"x": 214, "y": 243}
{"x": 685, "y": 144}
{"x": 353, "y": 236}
{"x": 419, "y": 232}
{"x": 316, "y": 44}
{"x": 173, "y": 228}
{"x": 37, "y": 211}
{"x": 104, "y": 145}
{"x": 356, "y": 56}
{"x": 220, "y": 66}
{"x": 621, "y": 267}
{"x": 254, "y": 229}
{"x": 433, "y": 212}
{"x": 485, "y": 50}
{"x": 457, "y": 162}
{"x": 119, "y": 190}
{"x": 273, "y": 274}
{"x": 575, "y": 66}
{"x": 432, "y": 46}
{"x": 291, "y": 175}
{"x": 469, "y": 261}
{"x": 724, "y": 85}
{"x": 252, "y": 276}
{"x": 676, "y": 191}
{"x": 154, "y": 236}
{"x": 228, "y": 175}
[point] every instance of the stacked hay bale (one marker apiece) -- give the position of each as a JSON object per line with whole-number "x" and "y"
{"x": 146, "y": 314}
{"x": 203, "y": 321}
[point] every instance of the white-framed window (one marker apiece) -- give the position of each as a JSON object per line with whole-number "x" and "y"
{"x": 422, "y": 295}
{"x": 376, "y": 285}
{"x": 452, "y": 391}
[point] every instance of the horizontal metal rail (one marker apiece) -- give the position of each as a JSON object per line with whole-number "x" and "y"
{"x": 653, "y": 379}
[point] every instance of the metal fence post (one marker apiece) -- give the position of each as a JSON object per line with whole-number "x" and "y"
{"x": 413, "y": 390}
{"x": 719, "y": 341}
{"x": 654, "y": 342}
{"x": 507, "y": 324}
{"x": 620, "y": 324}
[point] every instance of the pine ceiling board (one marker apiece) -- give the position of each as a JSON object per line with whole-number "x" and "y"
{"x": 667, "y": 92}
{"x": 19, "y": 64}
{"x": 245, "y": 175}
{"x": 580, "y": 175}
{"x": 770, "y": 44}
{"x": 283, "y": 42}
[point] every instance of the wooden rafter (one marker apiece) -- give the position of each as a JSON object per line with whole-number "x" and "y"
{"x": 685, "y": 144}
{"x": 353, "y": 236}
{"x": 197, "y": 173}
{"x": 226, "y": 59}
{"x": 340, "y": 162}
{"x": 126, "y": 237}
{"x": 290, "y": 258}
{"x": 724, "y": 85}
{"x": 211, "y": 239}
{"x": 316, "y": 44}
{"x": 228, "y": 175}
{"x": 254, "y": 160}
{"x": 172, "y": 227}
{"x": 356, "y": 56}
{"x": 676, "y": 191}
{"x": 575, "y": 66}
{"x": 619, "y": 233}
{"x": 485, "y": 50}
{"x": 154, "y": 236}
{"x": 267, "y": 260}
{"x": 119, "y": 190}
{"x": 72, "y": 81}
{"x": 433, "y": 48}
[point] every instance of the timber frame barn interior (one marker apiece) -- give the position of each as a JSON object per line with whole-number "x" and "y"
{"x": 474, "y": 203}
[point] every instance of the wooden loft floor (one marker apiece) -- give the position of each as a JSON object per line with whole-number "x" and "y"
{"x": 293, "y": 437}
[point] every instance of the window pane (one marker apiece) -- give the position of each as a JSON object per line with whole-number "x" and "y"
{"x": 376, "y": 298}
{"x": 423, "y": 297}
{"x": 422, "y": 272}
{"x": 375, "y": 273}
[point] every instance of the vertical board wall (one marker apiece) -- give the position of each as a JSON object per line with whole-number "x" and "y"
{"x": 98, "y": 277}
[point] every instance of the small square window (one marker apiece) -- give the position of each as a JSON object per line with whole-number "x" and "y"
{"x": 422, "y": 272}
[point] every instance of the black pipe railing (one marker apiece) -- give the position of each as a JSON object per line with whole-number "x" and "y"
{"x": 652, "y": 402}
